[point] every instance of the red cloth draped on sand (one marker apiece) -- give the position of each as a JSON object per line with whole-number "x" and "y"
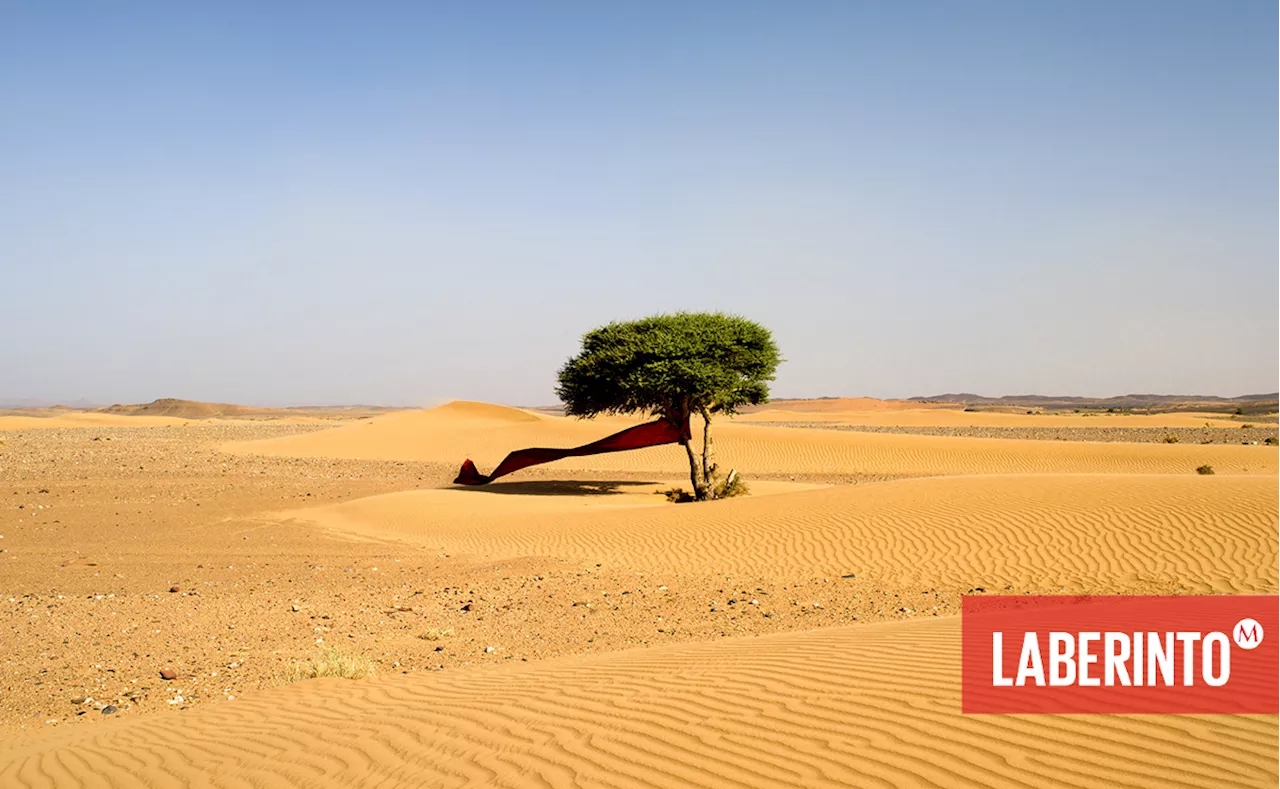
{"x": 651, "y": 434}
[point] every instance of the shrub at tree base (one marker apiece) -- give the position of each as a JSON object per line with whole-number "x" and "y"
{"x": 730, "y": 487}
{"x": 677, "y": 495}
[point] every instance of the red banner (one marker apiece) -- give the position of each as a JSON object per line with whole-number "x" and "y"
{"x": 1123, "y": 654}
{"x": 651, "y": 434}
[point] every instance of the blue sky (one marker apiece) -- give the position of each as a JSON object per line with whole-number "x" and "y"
{"x": 286, "y": 203}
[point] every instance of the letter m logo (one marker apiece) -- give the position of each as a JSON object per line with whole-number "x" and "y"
{"x": 1247, "y": 634}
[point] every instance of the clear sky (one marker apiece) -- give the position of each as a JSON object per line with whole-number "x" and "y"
{"x": 288, "y": 203}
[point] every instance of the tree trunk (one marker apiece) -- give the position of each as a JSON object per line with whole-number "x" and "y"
{"x": 700, "y": 487}
{"x": 679, "y": 414}
{"x": 708, "y": 467}
{"x": 701, "y": 469}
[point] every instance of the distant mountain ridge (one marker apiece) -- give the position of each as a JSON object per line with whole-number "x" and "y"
{"x": 1250, "y": 404}
{"x": 186, "y": 409}
{"x": 44, "y": 402}
{"x": 194, "y": 409}
{"x": 967, "y": 398}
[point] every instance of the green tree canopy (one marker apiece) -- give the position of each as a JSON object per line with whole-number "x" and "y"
{"x": 673, "y": 366}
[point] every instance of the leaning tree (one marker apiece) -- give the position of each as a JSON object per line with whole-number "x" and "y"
{"x": 673, "y": 366}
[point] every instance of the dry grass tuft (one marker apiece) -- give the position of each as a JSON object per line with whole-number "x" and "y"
{"x": 435, "y": 634}
{"x": 733, "y": 485}
{"x": 677, "y": 495}
{"x": 726, "y": 488}
{"x": 331, "y": 662}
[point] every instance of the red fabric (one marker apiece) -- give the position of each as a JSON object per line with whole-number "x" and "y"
{"x": 651, "y": 434}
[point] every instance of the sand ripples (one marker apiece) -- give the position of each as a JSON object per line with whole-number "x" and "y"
{"x": 1199, "y": 533}
{"x": 867, "y": 706}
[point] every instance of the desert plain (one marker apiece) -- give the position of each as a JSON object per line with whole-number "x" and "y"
{"x": 167, "y": 576}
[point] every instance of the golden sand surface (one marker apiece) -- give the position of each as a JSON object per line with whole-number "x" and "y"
{"x": 567, "y": 625}
{"x": 1188, "y": 534}
{"x": 867, "y": 705}
{"x": 85, "y": 419}
{"x": 848, "y": 404}
{"x": 958, "y": 417}
{"x": 486, "y": 433}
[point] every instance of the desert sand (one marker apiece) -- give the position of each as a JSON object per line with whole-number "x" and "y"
{"x": 567, "y": 625}
{"x": 85, "y": 419}
{"x": 871, "y": 705}
{"x": 486, "y": 433}
{"x": 173, "y": 412}
{"x": 1193, "y": 534}
{"x": 1062, "y": 424}
{"x": 956, "y": 417}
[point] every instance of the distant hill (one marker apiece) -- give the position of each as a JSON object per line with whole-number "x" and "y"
{"x": 194, "y": 409}
{"x": 1249, "y": 404}
{"x": 185, "y": 409}
{"x": 798, "y": 404}
{"x": 834, "y": 404}
{"x": 42, "y": 402}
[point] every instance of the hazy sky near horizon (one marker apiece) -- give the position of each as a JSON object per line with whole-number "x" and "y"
{"x": 402, "y": 203}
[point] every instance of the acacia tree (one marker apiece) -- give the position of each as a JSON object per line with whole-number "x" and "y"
{"x": 673, "y": 366}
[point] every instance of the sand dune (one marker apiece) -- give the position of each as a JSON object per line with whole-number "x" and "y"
{"x": 1202, "y": 534}
{"x": 846, "y": 404}
{"x": 171, "y": 412}
{"x": 479, "y": 413}
{"x": 485, "y": 433}
{"x": 98, "y": 419}
{"x": 87, "y": 419}
{"x": 956, "y": 417}
{"x": 919, "y": 413}
{"x": 872, "y": 705}
{"x": 502, "y": 502}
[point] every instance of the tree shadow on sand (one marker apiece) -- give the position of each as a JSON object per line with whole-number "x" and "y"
{"x": 559, "y": 487}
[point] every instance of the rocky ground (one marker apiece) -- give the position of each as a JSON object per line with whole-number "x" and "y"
{"x": 1245, "y": 434}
